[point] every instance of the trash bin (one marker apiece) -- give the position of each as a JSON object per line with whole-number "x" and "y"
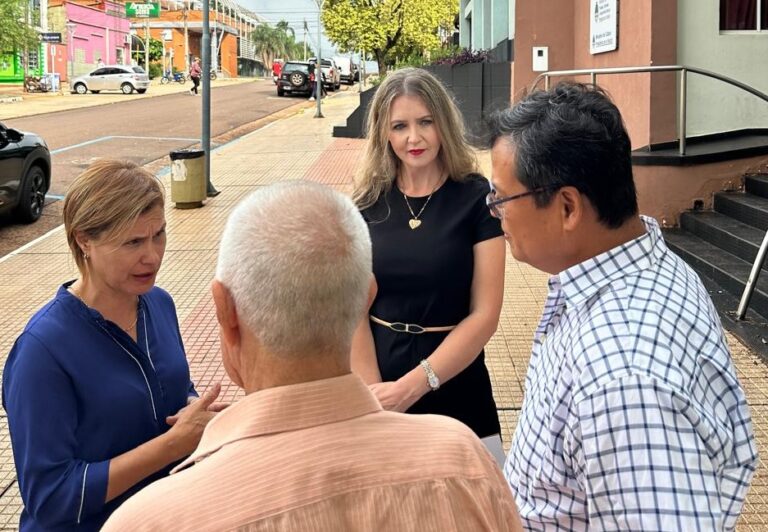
{"x": 187, "y": 179}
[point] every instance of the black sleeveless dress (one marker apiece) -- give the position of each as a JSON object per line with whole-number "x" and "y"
{"x": 424, "y": 276}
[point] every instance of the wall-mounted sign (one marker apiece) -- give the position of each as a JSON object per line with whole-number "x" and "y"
{"x": 142, "y": 9}
{"x": 51, "y": 37}
{"x": 603, "y": 26}
{"x": 167, "y": 35}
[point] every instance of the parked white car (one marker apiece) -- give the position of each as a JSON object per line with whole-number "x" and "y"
{"x": 331, "y": 78}
{"x": 125, "y": 78}
{"x": 346, "y": 69}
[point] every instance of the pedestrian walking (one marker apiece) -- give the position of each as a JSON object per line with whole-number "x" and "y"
{"x": 312, "y": 75}
{"x": 195, "y": 71}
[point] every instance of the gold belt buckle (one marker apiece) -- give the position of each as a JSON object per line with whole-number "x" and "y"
{"x": 410, "y": 328}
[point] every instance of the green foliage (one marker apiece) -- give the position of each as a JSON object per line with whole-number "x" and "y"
{"x": 17, "y": 25}
{"x": 387, "y": 28}
{"x": 155, "y": 50}
{"x": 155, "y": 70}
{"x": 419, "y": 58}
{"x": 278, "y": 42}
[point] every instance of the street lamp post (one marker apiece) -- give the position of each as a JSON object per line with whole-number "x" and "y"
{"x": 71, "y": 53}
{"x": 205, "y": 140}
{"x": 319, "y": 66}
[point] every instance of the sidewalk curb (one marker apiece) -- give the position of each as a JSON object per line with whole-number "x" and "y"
{"x": 101, "y": 104}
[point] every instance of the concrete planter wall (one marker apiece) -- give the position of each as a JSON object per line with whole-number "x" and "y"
{"x": 479, "y": 89}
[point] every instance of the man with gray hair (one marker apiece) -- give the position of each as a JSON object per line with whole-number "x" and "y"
{"x": 309, "y": 447}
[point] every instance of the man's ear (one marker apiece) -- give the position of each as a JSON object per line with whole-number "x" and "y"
{"x": 572, "y": 207}
{"x": 373, "y": 289}
{"x": 229, "y": 329}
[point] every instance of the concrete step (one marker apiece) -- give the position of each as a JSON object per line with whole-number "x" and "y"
{"x": 727, "y": 270}
{"x": 725, "y": 232}
{"x": 747, "y": 208}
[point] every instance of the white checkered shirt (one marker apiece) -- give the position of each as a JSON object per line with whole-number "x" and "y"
{"x": 633, "y": 417}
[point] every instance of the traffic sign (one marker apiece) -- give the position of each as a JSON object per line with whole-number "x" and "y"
{"x": 142, "y": 9}
{"x": 51, "y": 37}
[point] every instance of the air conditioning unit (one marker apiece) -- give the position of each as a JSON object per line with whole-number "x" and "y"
{"x": 127, "y": 39}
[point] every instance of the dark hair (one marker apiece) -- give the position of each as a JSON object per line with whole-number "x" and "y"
{"x": 571, "y": 135}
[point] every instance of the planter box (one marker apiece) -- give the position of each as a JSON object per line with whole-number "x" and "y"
{"x": 355, "y": 128}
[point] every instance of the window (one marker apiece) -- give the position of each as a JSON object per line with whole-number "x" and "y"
{"x": 743, "y": 15}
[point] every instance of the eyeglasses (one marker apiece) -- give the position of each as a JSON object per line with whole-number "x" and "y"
{"x": 494, "y": 203}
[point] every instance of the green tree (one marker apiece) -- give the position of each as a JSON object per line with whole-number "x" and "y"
{"x": 155, "y": 50}
{"x": 15, "y": 32}
{"x": 385, "y": 27}
{"x": 279, "y": 41}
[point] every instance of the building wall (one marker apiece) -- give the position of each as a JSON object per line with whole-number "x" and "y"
{"x": 712, "y": 105}
{"x": 646, "y": 36}
{"x": 98, "y": 35}
{"x": 174, "y": 48}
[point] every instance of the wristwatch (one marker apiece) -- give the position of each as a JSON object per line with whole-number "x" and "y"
{"x": 432, "y": 380}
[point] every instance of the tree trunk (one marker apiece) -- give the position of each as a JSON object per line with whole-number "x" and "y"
{"x": 381, "y": 59}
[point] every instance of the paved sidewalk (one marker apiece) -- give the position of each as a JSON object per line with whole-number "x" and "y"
{"x": 299, "y": 147}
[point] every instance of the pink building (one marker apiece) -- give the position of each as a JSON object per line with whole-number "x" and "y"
{"x": 101, "y": 31}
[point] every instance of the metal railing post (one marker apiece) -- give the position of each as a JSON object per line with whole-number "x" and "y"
{"x": 593, "y": 78}
{"x": 546, "y": 83}
{"x": 752, "y": 281}
{"x": 683, "y": 110}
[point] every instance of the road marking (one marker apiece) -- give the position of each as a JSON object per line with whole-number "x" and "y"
{"x": 30, "y": 244}
{"x": 112, "y": 137}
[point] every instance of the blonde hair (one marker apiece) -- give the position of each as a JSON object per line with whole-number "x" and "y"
{"x": 106, "y": 200}
{"x": 380, "y": 164}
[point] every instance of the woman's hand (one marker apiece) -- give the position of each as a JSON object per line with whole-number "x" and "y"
{"x": 396, "y": 396}
{"x": 189, "y": 422}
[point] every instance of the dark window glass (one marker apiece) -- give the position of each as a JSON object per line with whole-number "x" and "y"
{"x": 99, "y": 72}
{"x": 764, "y": 14}
{"x": 138, "y": 70}
{"x": 739, "y": 14}
{"x": 290, "y": 67}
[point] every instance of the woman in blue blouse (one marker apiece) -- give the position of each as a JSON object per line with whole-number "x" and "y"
{"x": 96, "y": 386}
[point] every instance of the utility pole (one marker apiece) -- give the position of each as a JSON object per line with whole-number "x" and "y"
{"x": 146, "y": 46}
{"x": 205, "y": 141}
{"x": 186, "y": 37}
{"x": 319, "y": 65}
{"x": 44, "y": 27}
{"x": 305, "y": 39}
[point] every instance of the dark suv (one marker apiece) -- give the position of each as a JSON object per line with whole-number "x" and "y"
{"x": 295, "y": 79}
{"x": 25, "y": 174}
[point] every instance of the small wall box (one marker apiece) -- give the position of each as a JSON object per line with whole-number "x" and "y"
{"x": 540, "y": 58}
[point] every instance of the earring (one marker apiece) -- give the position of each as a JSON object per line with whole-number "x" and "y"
{"x": 86, "y": 256}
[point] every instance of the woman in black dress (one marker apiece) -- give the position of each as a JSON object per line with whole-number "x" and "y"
{"x": 438, "y": 259}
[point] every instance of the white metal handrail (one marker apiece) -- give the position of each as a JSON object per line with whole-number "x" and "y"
{"x": 684, "y": 70}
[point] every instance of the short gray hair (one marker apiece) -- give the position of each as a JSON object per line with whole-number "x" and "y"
{"x": 296, "y": 257}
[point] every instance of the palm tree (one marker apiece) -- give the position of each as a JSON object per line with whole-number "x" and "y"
{"x": 268, "y": 43}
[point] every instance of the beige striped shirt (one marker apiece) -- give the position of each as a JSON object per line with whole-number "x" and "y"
{"x": 321, "y": 456}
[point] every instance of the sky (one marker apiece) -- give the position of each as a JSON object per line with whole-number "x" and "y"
{"x": 295, "y": 12}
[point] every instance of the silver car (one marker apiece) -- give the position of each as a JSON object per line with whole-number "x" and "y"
{"x": 125, "y": 78}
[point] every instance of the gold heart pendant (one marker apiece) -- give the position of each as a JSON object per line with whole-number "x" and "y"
{"x": 414, "y": 223}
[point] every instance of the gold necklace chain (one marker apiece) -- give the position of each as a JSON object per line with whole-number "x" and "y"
{"x": 128, "y": 329}
{"x": 414, "y": 222}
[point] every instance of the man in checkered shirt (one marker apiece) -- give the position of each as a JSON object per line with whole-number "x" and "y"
{"x": 633, "y": 417}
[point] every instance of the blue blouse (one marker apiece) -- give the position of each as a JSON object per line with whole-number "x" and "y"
{"x": 78, "y": 392}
